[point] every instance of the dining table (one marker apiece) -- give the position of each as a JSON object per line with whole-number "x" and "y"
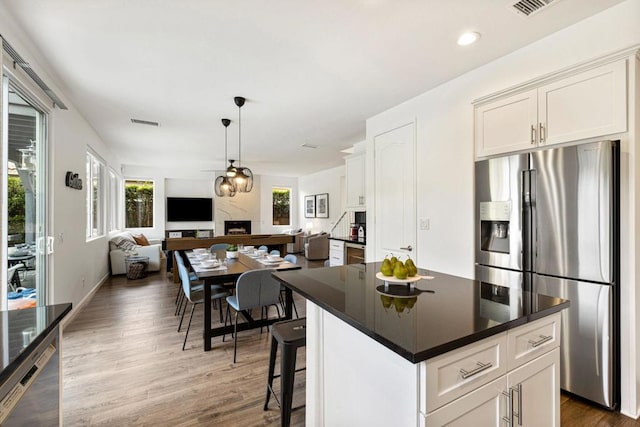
{"x": 226, "y": 275}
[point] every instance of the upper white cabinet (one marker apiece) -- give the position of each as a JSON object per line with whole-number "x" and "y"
{"x": 355, "y": 182}
{"x": 587, "y": 104}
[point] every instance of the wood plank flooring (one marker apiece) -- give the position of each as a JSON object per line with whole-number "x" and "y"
{"x": 123, "y": 366}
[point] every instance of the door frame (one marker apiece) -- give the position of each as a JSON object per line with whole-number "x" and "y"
{"x": 27, "y": 89}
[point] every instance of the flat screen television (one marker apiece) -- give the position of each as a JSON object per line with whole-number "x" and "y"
{"x": 189, "y": 209}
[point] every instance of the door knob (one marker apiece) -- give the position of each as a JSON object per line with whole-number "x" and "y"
{"x": 408, "y": 248}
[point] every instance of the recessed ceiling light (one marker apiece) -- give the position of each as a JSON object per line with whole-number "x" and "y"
{"x": 468, "y": 38}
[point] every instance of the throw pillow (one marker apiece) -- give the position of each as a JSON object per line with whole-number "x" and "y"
{"x": 124, "y": 241}
{"x": 141, "y": 240}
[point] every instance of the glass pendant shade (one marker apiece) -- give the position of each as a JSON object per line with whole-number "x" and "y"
{"x": 224, "y": 186}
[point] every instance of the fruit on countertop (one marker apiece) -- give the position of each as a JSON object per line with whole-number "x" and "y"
{"x": 387, "y": 267}
{"x": 400, "y": 271}
{"x": 412, "y": 270}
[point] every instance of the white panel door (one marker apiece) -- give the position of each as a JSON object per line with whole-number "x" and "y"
{"x": 395, "y": 192}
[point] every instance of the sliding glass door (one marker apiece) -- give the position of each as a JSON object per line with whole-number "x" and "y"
{"x": 25, "y": 197}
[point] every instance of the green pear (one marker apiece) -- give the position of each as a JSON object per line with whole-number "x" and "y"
{"x": 386, "y": 301}
{"x": 412, "y": 270}
{"x": 386, "y": 268}
{"x": 400, "y": 271}
{"x": 399, "y": 304}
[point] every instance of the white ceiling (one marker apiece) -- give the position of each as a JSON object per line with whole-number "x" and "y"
{"x": 312, "y": 71}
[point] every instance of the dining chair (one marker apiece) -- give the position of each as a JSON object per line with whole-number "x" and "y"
{"x": 254, "y": 289}
{"x": 275, "y": 252}
{"x": 13, "y": 276}
{"x": 291, "y": 258}
{"x": 195, "y": 297}
{"x": 196, "y": 286}
{"x": 218, "y": 247}
{"x": 263, "y": 248}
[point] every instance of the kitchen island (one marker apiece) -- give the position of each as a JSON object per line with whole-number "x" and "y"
{"x": 449, "y": 350}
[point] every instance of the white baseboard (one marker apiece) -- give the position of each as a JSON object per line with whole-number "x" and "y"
{"x": 84, "y": 301}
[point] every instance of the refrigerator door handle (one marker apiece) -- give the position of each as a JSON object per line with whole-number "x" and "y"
{"x": 597, "y": 333}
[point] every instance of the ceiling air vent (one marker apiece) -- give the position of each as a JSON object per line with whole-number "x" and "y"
{"x": 530, "y": 7}
{"x": 144, "y": 122}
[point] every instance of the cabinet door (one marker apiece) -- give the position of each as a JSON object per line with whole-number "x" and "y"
{"x": 536, "y": 391}
{"x": 484, "y": 407}
{"x": 355, "y": 181}
{"x": 589, "y": 104}
{"x": 506, "y": 125}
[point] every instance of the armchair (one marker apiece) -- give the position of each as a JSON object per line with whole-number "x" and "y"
{"x": 316, "y": 247}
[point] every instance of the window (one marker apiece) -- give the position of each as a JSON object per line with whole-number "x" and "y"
{"x": 114, "y": 201}
{"x": 95, "y": 196}
{"x": 138, "y": 203}
{"x": 281, "y": 206}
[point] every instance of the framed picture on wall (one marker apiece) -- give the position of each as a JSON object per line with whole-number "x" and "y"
{"x": 309, "y": 206}
{"x": 322, "y": 205}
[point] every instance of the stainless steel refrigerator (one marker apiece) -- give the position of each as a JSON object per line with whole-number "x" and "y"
{"x": 548, "y": 221}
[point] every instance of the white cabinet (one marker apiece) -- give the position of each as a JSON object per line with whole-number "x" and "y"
{"x": 485, "y": 406}
{"x": 355, "y": 182}
{"x": 534, "y": 390}
{"x": 588, "y": 104}
{"x": 527, "y": 396}
{"x": 336, "y": 252}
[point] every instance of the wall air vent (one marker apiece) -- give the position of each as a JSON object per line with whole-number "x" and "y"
{"x": 530, "y": 7}
{"x": 145, "y": 122}
{"x": 18, "y": 61}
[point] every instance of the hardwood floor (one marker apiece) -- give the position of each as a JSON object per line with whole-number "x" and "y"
{"x": 123, "y": 366}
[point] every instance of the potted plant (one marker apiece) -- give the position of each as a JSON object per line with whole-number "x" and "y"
{"x": 232, "y": 251}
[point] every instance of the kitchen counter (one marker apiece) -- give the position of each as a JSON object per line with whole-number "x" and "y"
{"x": 30, "y": 379}
{"x": 452, "y": 313}
{"x": 41, "y": 320}
{"x": 450, "y": 351}
{"x": 359, "y": 241}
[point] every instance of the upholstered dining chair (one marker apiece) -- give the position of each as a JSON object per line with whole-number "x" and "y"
{"x": 263, "y": 248}
{"x": 218, "y": 247}
{"x": 275, "y": 252}
{"x": 254, "y": 289}
{"x": 196, "y": 297}
{"x": 194, "y": 286}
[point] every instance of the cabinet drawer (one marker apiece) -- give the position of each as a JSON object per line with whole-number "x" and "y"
{"x": 451, "y": 375}
{"x": 336, "y": 245}
{"x": 532, "y": 340}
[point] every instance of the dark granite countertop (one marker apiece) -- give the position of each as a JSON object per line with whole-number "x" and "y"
{"x": 362, "y": 241}
{"x": 41, "y": 320}
{"x": 439, "y": 315}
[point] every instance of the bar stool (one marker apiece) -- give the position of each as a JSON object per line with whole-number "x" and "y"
{"x": 291, "y": 335}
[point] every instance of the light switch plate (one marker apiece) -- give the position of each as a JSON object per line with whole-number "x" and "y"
{"x": 424, "y": 223}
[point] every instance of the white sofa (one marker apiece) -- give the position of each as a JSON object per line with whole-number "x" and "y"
{"x": 123, "y": 245}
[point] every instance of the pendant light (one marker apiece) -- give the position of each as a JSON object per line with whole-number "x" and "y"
{"x": 224, "y": 185}
{"x": 243, "y": 178}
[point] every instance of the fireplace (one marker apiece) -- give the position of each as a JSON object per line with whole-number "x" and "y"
{"x": 237, "y": 227}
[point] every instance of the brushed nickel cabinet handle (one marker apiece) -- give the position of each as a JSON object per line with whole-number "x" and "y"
{"x": 543, "y": 339}
{"x": 481, "y": 367}
{"x": 533, "y": 134}
{"x": 542, "y": 136}
{"x": 517, "y": 389}
{"x": 509, "y": 417}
